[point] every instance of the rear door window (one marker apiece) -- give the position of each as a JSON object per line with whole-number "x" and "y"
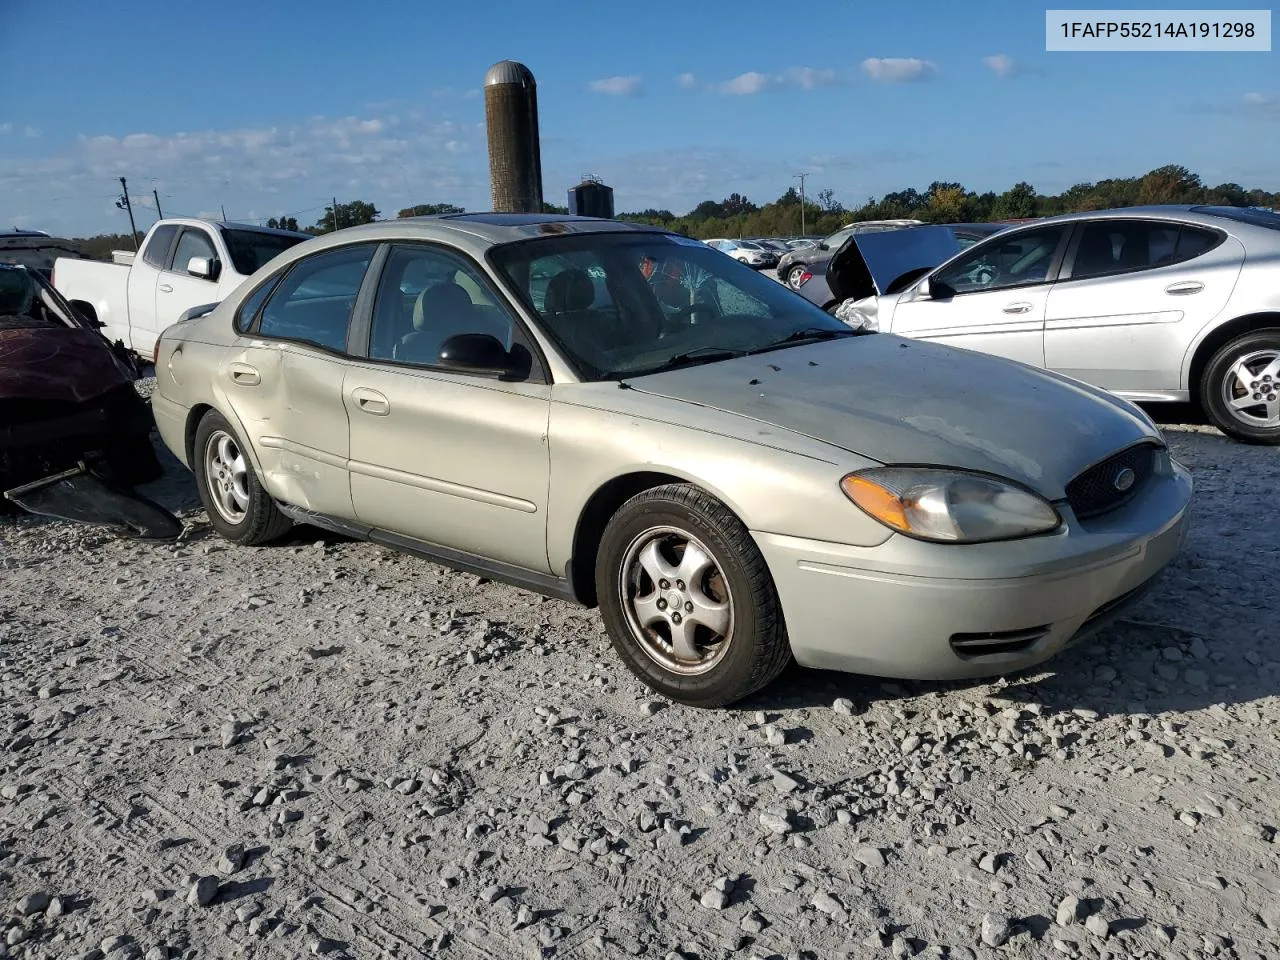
{"x": 1110, "y": 247}
{"x": 314, "y": 302}
{"x": 156, "y": 252}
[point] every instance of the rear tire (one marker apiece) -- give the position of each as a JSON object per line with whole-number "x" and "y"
{"x": 1240, "y": 388}
{"x": 687, "y": 598}
{"x": 239, "y": 508}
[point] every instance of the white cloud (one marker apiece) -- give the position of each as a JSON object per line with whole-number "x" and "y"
{"x": 686, "y": 81}
{"x": 806, "y": 78}
{"x": 393, "y": 160}
{"x": 1002, "y": 65}
{"x": 31, "y": 133}
{"x": 5, "y": 127}
{"x": 1266, "y": 104}
{"x": 746, "y": 83}
{"x": 898, "y": 69}
{"x": 616, "y": 86}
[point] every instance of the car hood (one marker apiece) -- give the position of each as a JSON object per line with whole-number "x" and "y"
{"x": 56, "y": 363}
{"x": 867, "y": 263}
{"x": 901, "y": 401}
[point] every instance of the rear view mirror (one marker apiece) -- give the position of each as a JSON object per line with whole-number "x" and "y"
{"x": 203, "y": 267}
{"x": 475, "y": 353}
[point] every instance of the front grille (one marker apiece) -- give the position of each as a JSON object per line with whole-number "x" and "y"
{"x": 1094, "y": 491}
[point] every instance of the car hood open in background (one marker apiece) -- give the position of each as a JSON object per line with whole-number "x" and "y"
{"x": 901, "y": 401}
{"x": 867, "y": 264}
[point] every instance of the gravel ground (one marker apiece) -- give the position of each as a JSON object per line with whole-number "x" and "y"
{"x": 324, "y": 747}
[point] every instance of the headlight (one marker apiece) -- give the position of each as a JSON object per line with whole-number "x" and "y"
{"x": 951, "y": 506}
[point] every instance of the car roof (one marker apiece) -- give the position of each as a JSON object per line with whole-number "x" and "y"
{"x": 1188, "y": 212}
{"x": 504, "y": 227}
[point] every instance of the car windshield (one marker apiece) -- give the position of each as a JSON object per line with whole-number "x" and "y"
{"x": 626, "y": 304}
{"x": 250, "y": 249}
{"x": 26, "y": 300}
{"x": 1253, "y": 215}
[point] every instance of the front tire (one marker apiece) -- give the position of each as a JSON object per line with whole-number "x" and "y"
{"x": 239, "y": 508}
{"x": 794, "y": 273}
{"x": 1240, "y": 388}
{"x": 687, "y": 598}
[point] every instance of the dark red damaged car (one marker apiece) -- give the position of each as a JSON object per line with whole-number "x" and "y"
{"x": 75, "y": 436}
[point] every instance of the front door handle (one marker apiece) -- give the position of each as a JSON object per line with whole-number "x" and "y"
{"x": 165, "y": 288}
{"x": 1184, "y": 287}
{"x": 1019, "y": 307}
{"x": 245, "y": 375}
{"x": 371, "y": 401}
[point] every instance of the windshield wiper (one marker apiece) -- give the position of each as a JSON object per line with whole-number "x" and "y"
{"x": 690, "y": 357}
{"x": 808, "y": 335}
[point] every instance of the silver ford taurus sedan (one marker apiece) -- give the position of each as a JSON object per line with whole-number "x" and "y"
{"x": 618, "y": 416}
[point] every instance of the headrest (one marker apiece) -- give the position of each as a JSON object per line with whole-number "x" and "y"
{"x": 440, "y": 301}
{"x": 570, "y": 289}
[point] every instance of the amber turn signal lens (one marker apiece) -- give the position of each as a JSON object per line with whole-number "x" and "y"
{"x": 884, "y": 505}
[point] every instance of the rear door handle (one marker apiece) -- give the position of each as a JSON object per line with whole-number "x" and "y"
{"x": 1184, "y": 287}
{"x": 165, "y": 288}
{"x": 244, "y": 374}
{"x": 371, "y": 401}
{"x": 1020, "y": 307}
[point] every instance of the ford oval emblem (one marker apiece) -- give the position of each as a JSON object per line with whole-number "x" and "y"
{"x": 1124, "y": 479}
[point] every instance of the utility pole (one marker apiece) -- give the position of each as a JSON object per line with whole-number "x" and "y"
{"x": 123, "y": 204}
{"x": 224, "y": 212}
{"x": 335, "y": 214}
{"x": 156, "y": 195}
{"x": 800, "y": 177}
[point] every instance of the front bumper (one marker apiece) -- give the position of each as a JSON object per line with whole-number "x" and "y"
{"x": 914, "y": 610}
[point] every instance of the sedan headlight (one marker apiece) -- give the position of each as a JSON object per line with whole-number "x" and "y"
{"x": 950, "y": 506}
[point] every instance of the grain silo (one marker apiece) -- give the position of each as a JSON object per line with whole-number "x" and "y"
{"x": 591, "y": 198}
{"x": 515, "y": 159}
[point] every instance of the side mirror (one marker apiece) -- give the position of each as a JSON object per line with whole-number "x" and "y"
{"x": 823, "y": 245}
{"x": 203, "y": 267}
{"x": 925, "y": 290}
{"x": 475, "y": 353}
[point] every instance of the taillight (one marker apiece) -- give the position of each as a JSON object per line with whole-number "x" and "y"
{"x": 804, "y": 278}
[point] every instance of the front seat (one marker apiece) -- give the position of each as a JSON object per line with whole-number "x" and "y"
{"x": 440, "y": 312}
{"x": 570, "y": 291}
{"x": 1096, "y": 254}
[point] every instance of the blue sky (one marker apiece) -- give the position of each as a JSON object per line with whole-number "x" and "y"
{"x": 273, "y": 107}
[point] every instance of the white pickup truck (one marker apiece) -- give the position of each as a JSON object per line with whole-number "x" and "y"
{"x": 182, "y": 263}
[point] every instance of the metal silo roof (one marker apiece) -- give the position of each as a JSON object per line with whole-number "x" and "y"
{"x": 508, "y": 71}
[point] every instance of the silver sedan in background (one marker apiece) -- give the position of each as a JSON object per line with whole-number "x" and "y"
{"x": 1159, "y": 303}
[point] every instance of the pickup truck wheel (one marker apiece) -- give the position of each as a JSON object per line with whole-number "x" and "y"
{"x": 1240, "y": 388}
{"x": 239, "y": 508}
{"x": 687, "y": 598}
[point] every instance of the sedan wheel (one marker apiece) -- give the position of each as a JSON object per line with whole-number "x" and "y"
{"x": 239, "y": 508}
{"x": 678, "y": 606}
{"x": 687, "y": 598}
{"x": 228, "y": 475}
{"x": 1240, "y": 389}
{"x": 793, "y": 276}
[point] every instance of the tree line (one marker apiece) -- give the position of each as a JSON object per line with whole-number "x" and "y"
{"x": 736, "y": 216}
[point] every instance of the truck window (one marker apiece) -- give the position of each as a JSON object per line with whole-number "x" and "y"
{"x": 156, "y": 252}
{"x": 192, "y": 243}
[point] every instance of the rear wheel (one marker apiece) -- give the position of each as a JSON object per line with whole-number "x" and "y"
{"x": 239, "y": 508}
{"x": 1240, "y": 388}
{"x": 687, "y": 598}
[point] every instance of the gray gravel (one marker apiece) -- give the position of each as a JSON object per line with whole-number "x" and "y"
{"x": 324, "y": 747}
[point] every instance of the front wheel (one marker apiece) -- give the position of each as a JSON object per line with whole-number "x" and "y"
{"x": 794, "y": 274}
{"x": 1240, "y": 388}
{"x": 239, "y": 508}
{"x": 687, "y": 598}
